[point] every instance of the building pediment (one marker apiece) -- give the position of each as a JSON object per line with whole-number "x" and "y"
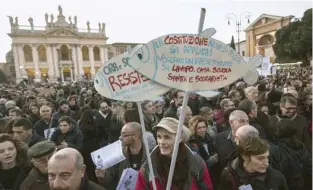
{"x": 62, "y": 32}
{"x": 266, "y": 19}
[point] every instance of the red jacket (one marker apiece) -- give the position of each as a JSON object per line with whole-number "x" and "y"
{"x": 198, "y": 179}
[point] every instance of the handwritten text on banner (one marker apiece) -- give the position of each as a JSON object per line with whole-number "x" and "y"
{"x": 117, "y": 80}
{"x": 190, "y": 62}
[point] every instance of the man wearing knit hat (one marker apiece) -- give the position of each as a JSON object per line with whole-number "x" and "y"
{"x": 39, "y": 154}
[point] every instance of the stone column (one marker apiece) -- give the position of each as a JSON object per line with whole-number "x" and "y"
{"x": 102, "y": 55}
{"x": 128, "y": 48}
{"x": 55, "y": 60}
{"x": 21, "y": 57}
{"x": 92, "y": 61}
{"x": 35, "y": 61}
{"x": 16, "y": 63}
{"x": 74, "y": 61}
{"x": 71, "y": 72}
{"x": 80, "y": 60}
{"x": 50, "y": 62}
{"x": 62, "y": 74}
{"x": 106, "y": 54}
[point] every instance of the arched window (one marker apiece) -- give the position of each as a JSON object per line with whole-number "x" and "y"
{"x": 266, "y": 40}
{"x": 65, "y": 53}
{"x": 85, "y": 52}
{"x": 96, "y": 53}
{"x": 28, "y": 53}
{"x": 42, "y": 53}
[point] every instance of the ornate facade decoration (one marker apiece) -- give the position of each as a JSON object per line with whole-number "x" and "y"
{"x": 59, "y": 50}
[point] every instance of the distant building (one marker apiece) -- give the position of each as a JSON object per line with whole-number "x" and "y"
{"x": 242, "y": 45}
{"x": 58, "y": 50}
{"x": 119, "y": 48}
{"x": 260, "y": 35}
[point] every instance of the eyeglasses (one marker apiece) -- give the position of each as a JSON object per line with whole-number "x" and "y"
{"x": 124, "y": 135}
{"x": 290, "y": 108}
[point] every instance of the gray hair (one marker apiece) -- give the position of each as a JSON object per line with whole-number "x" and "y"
{"x": 179, "y": 109}
{"x": 247, "y": 131}
{"x": 237, "y": 114}
{"x": 249, "y": 89}
{"x": 185, "y": 134}
{"x": 224, "y": 102}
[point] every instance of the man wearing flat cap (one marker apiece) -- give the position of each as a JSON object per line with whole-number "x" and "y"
{"x": 39, "y": 154}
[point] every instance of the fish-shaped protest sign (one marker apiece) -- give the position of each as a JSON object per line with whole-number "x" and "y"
{"x": 117, "y": 80}
{"x": 251, "y": 77}
{"x": 191, "y": 62}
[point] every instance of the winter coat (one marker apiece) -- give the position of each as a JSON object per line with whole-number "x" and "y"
{"x": 114, "y": 173}
{"x": 35, "y": 181}
{"x": 234, "y": 176}
{"x": 198, "y": 177}
{"x": 74, "y": 137}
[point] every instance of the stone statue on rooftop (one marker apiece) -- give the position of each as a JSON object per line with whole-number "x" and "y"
{"x": 88, "y": 26}
{"x": 16, "y": 21}
{"x": 11, "y": 21}
{"x": 60, "y": 10}
{"x": 75, "y": 20}
{"x": 103, "y": 27}
{"x": 47, "y": 17}
{"x": 52, "y": 18}
{"x": 31, "y": 22}
{"x": 70, "y": 19}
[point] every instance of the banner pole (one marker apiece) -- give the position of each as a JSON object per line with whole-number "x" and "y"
{"x": 181, "y": 118}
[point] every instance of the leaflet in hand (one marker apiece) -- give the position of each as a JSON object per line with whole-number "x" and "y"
{"x": 128, "y": 179}
{"x": 108, "y": 156}
{"x": 48, "y": 133}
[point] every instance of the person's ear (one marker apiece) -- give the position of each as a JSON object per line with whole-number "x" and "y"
{"x": 82, "y": 171}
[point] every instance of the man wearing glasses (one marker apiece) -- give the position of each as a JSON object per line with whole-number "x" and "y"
{"x": 39, "y": 154}
{"x": 288, "y": 109}
{"x": 134, "y": 152}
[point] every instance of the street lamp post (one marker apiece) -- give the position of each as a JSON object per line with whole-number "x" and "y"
{"x": 238, "y": 23}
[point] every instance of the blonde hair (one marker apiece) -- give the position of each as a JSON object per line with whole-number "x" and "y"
{"x": 118, "y": 112}
{"x": 193, "y": 122}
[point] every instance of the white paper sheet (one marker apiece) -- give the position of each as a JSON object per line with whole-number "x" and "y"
{"x": 108, "y": 156}
{"x": 50, "y": 133}
{"x": 128, "y": 179}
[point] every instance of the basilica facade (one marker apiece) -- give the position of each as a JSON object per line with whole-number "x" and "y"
{"x": 59, "y": 50}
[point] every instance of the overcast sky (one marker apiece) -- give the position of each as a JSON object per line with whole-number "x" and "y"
{"x": 143, "y": 20}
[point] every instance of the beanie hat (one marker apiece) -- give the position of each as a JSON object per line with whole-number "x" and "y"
{"x": 62, "y": 102}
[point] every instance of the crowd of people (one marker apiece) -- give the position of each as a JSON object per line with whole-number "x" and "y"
{"x": 248, "y": 137}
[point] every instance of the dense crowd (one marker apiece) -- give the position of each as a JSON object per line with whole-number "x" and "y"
{"x": 248, "y": 137}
